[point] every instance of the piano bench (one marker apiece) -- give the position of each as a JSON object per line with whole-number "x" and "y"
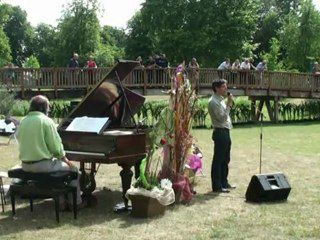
{"x": 42, "y": 185}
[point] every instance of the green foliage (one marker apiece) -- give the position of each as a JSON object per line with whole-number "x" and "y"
{"x": 240, "y": 113}
{"x": 6, "y": 101}
{"x": 201, "y": 113}
{"x": 182, "y": 29}
{"x": 307, "y": 110}
{"x": 272, "y": 57}
{"x": 19, "y": 32}
{"x": 113, "y": 36}
{"x": 111, "y": 46}
{"x": 248, "y": 49}
{"x": 78, "y": 31}
{"x": 45, "y": 44}
{"x": 60, "y": 109}
{"x": 140, "y": 41}
{"x": 20, "y": 108}
{"x": 268, "y": 28}
{"x": 31, "y": 62}
{"x": 107, "y": 54}
{"x": 5, "y": 50}
{"x": 300, "y": 37}
{"x": 209, "y": 30}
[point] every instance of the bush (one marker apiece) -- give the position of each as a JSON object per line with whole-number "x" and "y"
{"x": 20, "y": 108}
{"x": 6, "y": 101}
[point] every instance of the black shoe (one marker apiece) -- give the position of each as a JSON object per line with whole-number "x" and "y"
{"x": 229, "y": 186}
{"x": 221, "y": 190}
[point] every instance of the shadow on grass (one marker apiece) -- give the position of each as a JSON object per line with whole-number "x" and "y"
{"x": 43, "y": 215}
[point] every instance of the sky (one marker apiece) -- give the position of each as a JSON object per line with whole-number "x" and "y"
{"x": 116, "y": 12}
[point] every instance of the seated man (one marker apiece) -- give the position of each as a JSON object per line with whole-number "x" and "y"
{"x": 40, "y": 146}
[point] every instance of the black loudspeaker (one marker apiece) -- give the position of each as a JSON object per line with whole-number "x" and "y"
{"x": 267, "y": 188}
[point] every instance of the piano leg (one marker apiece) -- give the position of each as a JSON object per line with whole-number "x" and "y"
{"x": 88, "y": 183}
{"x": 126, "y": 177}
{"x": 137, "y": 169}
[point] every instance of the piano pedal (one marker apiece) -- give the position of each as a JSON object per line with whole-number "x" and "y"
{"x": 107, "y": 189}
{"x": 90, "y": 199}
{"x": 121, "y": 208}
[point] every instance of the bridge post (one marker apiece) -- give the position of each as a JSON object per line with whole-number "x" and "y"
{"x": 273, "y": 112}
{"x": 253, "y": 110}
{"x": 145, "y": 81}
{"x": 55, "y": 85}
{"x": 276, "y": 110}
{"x": 270, "y": 111}
{"x": 22, "y": 85}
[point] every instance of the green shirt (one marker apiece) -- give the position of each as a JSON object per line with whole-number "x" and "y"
{"x": 38, "y": 138}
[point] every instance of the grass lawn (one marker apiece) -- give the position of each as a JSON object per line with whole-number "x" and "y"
{"x": 291, "y": 149}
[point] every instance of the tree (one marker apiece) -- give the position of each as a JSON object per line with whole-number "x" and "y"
{"x": 208, "y": 30}
{"x": 140, "y": 41}
{"x": 268, "y": 28}
{"x": 300, "y": 37}
{"x": 273, "y": 56}
{"x": 113, "y": 36}
{"x": 19, "y": 33}
{"x": 78, "y": 31}
{"x": 45, "y": 44}
{"x": 5, "y": 51}
{"x": 111, "y": 46}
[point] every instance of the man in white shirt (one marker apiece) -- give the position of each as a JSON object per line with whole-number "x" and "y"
{"x": 225, "y": 65}
{"x": 245, "y": 65}
{"x": 222, "y": 67}
{"x": 220, "y": 116}
{"x": 262, "y": 66}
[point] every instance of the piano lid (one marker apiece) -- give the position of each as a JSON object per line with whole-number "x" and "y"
{"x": 107, "y": 98}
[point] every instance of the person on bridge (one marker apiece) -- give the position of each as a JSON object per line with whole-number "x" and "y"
{"x": 316, "y": 68}
{"x": 193, "y": 70}
{"x": 220, "y": 117}
{"x": 245, "y": 68}
{"x": 236, "y": 65}
{"x": 316, "y": 73}
{"x": 261, "y": 67}
{"x": 40, "y": 146}
{"x": 225, "y": 65}
{"x": 73, "y": 72}
{"x": 91, "y": 64}
{"x": 73, "y": 63}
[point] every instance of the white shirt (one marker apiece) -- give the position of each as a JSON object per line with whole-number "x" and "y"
{"x": 245, "y": 66}
{"x": 219, "y": 112}
{"x": 224, "y": 65}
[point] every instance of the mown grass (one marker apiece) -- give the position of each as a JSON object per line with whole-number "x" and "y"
{"x": 291, "y": 149}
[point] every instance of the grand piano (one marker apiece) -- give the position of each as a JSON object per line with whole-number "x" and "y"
{"x": 120, "y": 140}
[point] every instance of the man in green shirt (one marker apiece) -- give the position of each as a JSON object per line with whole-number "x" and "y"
{"x": 40, "y": 146}
{"x": 219, "y": 112}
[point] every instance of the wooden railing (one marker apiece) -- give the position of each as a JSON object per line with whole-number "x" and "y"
{"x": 22, "y": 79}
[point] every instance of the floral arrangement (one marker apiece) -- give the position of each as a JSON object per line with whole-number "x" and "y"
{"x": 162, "y": 171}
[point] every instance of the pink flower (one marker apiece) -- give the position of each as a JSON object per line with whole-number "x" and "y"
{"x": 195, "y": 162}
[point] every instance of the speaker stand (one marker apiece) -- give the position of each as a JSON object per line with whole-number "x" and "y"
{"x": 261, "y": 122}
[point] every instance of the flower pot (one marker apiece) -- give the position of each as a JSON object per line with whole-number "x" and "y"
{"x": 144, "y": 207}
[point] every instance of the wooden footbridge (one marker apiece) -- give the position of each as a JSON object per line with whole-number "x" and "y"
{"x": 259, "y": 86}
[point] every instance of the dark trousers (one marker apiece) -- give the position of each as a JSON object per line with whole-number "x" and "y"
{"x": 221, "y": 158}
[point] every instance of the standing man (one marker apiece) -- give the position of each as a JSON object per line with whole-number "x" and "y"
{"x": 73, "y": 63}
{"x": 74, "y": 72}
{"x": 220, "y": 116}
{"x": 40, "y": 146}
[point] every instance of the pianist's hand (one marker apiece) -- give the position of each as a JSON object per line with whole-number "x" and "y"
{"x": 67, "y": 161}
